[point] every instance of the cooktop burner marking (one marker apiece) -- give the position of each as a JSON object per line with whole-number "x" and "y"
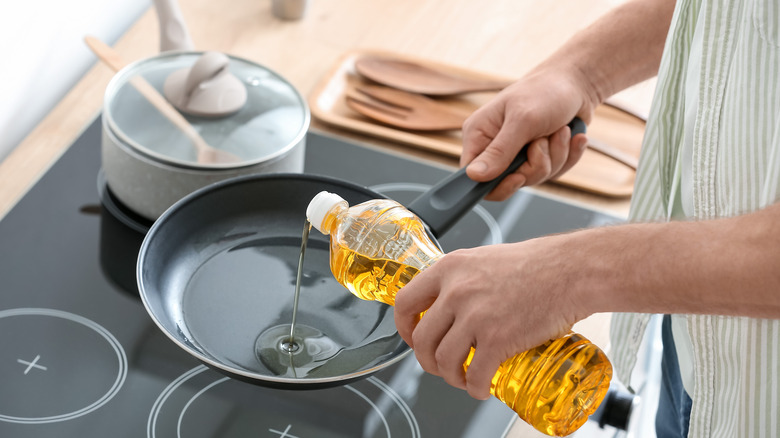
{"x": 405, "y": 409}
{"x": 189, "y": 402}
{"x": 115, "y": 346}
{"x": 31, "y": 365}
{"x": 376, "y": 409}
{"x": 283, "y": 434}
{"x": 376, "y": 412}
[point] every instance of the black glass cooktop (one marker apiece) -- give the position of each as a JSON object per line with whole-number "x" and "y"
{"x": 79, "y": 356}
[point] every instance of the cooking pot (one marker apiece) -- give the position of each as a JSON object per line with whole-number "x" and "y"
{"x": 150, "y": 162}
{"x": 217, "y": 271}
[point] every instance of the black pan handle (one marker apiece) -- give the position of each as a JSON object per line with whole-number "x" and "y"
{"x": 441, "y": 206}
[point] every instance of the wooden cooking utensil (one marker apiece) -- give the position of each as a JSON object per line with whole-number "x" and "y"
{"x": 404, "y": 110}
{"x": 419, "y": 78}
{"x": 206, "y": 153}
{"x": 416, "y": 112}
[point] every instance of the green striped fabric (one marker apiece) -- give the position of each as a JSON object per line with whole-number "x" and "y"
{"x": 736, "y": 169}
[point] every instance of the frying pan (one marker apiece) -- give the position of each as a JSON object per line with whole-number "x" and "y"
{"x": 216, "y": 273}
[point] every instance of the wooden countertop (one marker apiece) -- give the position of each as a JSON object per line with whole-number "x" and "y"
{"x": 503, "y": 37}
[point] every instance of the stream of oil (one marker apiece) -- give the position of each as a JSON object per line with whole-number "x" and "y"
{"x": 291, "y": 354}
{"x": 291, "y": 346}
{"x": 302, "y": 351}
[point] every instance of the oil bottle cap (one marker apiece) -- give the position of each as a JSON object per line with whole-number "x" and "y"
{"x": 319, "y": 207}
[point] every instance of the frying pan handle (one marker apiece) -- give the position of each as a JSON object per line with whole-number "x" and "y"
{"x": 441, "y": 206}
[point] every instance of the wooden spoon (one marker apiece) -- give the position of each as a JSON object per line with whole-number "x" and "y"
{"x": 206, "y": 153}
{"x": 418, "y": 78}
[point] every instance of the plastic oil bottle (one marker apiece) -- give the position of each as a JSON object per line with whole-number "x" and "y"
{"x": 378, "y": 246}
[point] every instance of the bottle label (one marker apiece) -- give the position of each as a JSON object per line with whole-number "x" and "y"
{"x": 385, "y": 241}
{"x": 395, "y": 249}
{"x": 386, "y": 237}
{"x": 401, "y": 246}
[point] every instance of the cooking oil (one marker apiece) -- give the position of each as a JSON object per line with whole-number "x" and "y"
{"x": 367, "y": 278}
{"x": 378, "y": 246}
{"x": 291, "y": 346}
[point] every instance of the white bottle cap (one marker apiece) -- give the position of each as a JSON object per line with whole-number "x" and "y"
{"x": 319, "y": 206}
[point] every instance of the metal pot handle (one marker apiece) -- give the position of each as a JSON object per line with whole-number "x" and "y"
{"x": 441, "y": 206}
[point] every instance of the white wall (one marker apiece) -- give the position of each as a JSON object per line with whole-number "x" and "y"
{"x": 43, "y": 54}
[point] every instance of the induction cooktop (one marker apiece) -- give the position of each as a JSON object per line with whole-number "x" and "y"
{"x": 80, "y": 357}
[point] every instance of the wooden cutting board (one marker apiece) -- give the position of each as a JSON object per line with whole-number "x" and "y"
{"x": 594, "y": 173}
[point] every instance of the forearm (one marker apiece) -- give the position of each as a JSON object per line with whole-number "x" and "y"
{"x": 620, "y": 49}
{"x": 723, "y": 267}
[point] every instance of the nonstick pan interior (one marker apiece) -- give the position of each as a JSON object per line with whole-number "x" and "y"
{"x": 217, "y": 274}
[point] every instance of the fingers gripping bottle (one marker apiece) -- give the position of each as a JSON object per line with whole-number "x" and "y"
{"x": 378, "y": 246}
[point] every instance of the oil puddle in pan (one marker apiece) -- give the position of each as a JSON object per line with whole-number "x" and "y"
{"x": 288, "y": 353}
{"x": 308, "y": 350}
{"x": 238, "y": 310}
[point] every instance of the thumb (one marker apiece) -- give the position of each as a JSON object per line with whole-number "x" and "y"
{"x": 497, "y": 156}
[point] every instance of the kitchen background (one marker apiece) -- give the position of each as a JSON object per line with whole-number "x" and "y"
{"x": 44, "y": 54}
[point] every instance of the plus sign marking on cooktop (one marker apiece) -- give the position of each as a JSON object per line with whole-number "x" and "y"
{"x": 31, "y": 365}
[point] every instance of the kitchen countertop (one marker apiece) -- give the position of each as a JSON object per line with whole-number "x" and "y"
{"x": 502, "y": 37}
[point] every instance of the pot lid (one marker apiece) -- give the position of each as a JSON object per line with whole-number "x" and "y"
{"x": 273, "y": 120}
